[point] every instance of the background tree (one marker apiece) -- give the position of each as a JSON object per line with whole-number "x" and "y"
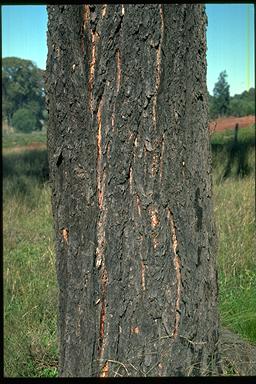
{"x": 22, "y": 87}
{"x": 129, "y": 158}
{"x": 24, "y": 120}
{"x": 240, "y": 104}
{"x": 221, "y": 95}
{"x": 243, "y": 104}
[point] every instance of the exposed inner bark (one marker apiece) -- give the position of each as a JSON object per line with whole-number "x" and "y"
{"x": 131, "y": 190}
{"x": 177, "y": 265}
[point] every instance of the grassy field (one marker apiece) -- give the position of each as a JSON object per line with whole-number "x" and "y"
{"x": 20, "y": 139}
{"x": 234, "y": 200}
{"x": 30, "y": 291}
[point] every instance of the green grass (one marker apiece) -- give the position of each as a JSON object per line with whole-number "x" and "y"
{"x": 30, "y": 292}
{"x": 235, "y": 219}
{"x": 245, "y": 135}
{"x": 30, "y": 288}
{"x": 13, "y": 139}
{"x": 234, "y": 200}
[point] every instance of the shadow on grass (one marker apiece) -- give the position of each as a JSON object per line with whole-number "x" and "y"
{"x": 22, "y": 171}
{"x": 232, "y": 154}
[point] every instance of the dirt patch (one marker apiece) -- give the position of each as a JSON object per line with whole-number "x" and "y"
{"x": 239, "y": 356}
{"x": 23, "y": 148}
{"x": 230, "y": 122}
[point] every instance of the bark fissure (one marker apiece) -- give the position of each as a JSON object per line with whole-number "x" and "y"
{"x": 118, "y": 68}
{"x": 143, "y": 283}
{"x": 94, "y": 36}
{"x": 101, "y": 237}
{"x": 158, "y": 65}
{"x": 177, "y": 265}
{"x": 161, "y": 160}
{"x": 99, "y": 166}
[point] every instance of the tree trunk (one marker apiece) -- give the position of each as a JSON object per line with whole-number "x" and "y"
{"x": 129, "y": 163}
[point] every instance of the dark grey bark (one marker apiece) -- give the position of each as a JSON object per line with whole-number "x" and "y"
{"x": 131, "y": 190}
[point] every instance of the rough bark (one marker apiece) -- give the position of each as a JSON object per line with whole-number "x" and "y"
{"x": 131, "y": 190}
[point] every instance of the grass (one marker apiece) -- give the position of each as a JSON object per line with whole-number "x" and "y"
{"x": 20, "y": 139}
{"x": 234, "y": 200}
{"x": 30, "y": 291}
{"x": 235, "y": 219}
{"x": 245, "y": 135}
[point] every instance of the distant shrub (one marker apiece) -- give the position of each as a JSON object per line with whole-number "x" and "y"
{"x": 24, "y": 120}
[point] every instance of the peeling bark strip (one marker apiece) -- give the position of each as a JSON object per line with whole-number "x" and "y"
{"x": 100, "y": 174}
{"x": 86, "y": 15}
{"x": 102, "y": 336}
{"x": 104, "y": 10}
{"x": 154, "y": 218}
{"x": 65, "y": 234}
{"x": 122, "y": 87}
{"x": 93, "y": 38}
{"x": 143, "y": 276}
{"x": 105, "y": 370}
{"x": 118, "y": 67}
{"x": 177, "y": 265}
{"x": 161, "y": 160}
{"x": 92, "y": 69}
{"x": 100, "y": 256}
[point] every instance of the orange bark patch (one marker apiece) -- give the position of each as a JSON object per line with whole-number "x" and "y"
{"x": 154, "y": 224}
{"x": 154, "y": 218}
{"x": 92, "y": 64}
{"x": 105, "y": 370}
{"x": 108, "y": 152}
{"x": 65, "y": 233}
{"x": 103, "y": 10}
{"x": 138, "y": 205}
{"x": 99, "y": 158}
{"x": 135, "y": 330}
{"x": 101, "y": 239}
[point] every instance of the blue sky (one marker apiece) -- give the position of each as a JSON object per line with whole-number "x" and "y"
{"x": 230, "y": 40}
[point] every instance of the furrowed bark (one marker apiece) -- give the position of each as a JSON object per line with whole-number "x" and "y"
{"x": 131, "y": 190}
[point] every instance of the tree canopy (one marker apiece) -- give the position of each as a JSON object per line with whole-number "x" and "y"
{"x": 22, "y": 88}
{"x": 243, "y": 104}
{"x": 222, "y": 104}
